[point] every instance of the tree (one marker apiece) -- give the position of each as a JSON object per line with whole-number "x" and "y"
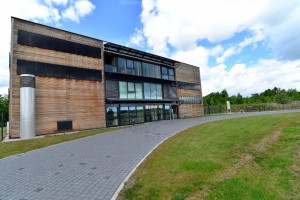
{"x": 4, "y": 107}
{"x": 281, "y": 97}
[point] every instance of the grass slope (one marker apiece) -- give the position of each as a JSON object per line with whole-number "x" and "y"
{"x": 246, "y": 158}
{"x": 22, "y": 146}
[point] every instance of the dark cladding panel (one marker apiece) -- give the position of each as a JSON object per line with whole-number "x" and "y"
{"x": 49, "y": 69}
{"x": 72, "y": 48}
{"x": 21, "y": 67}
{"x": 40, "y": 41}
{"x": 31, "y": 68}
{"x": 40, "y": 69}
{"x": 75, "y": 73}
{"x": 22, "y": 37}
{"x": 57, "y": 71}
{"x": 31, "y": 39}
{"x": 50, "y": 43}
{"x": 65, "y": 72}
{"x": 56, "y": 44}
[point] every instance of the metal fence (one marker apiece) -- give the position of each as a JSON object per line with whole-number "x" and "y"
{"x": 251, "y": 108}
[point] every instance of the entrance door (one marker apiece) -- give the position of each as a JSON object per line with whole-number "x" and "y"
{"x": 148, "y": 117}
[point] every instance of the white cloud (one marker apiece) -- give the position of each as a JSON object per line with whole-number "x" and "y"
{"x": 137, "y": 39}
{"x": 47, "y": 11}
{"x": 79, "y": 9}
{"x": 184, "y": 22}
{"x": 248, "y": 80}
{"x": 176, "y": 28}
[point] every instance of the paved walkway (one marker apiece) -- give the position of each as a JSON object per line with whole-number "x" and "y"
{"x": 89, "y": 168}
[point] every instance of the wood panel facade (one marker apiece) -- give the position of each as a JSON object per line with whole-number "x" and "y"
{"x": 57, "y": 99}
{"x": 189, "y": 74}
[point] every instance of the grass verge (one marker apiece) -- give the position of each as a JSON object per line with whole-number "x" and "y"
{"x": 245, "y": 158}
{"x": 22, "y": 146}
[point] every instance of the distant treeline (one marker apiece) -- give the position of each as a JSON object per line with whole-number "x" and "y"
{"x": 275, "y": 95}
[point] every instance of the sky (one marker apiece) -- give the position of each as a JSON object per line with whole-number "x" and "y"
{"x": 243, "y": 46}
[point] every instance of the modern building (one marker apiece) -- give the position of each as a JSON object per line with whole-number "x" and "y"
{"x": 62, "y": 81}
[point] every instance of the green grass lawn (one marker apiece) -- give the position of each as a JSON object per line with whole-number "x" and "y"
{"x": 22, "y": 146}
{"x": 245, "y": 158}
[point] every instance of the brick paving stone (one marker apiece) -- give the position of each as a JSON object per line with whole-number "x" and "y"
{"x": 91, "y": 167}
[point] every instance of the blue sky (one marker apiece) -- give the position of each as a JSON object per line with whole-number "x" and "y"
{"x": 242, "y": 46}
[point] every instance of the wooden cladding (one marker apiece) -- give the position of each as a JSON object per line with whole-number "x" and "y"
{"x": 47, "y": 42}
{"x": 57, "y": 71}
{"x": 111, "y": 89}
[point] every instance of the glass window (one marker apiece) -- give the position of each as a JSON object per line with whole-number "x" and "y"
{"x": 158, "y": 91}
{"x": 151, "y": 70}
{"x": 129, "y": 67}
{"x": 124, "y": 117}
{"x": 129, "y": 64}
{"x": 171, "y": 72}
{"x": 132, "y": 115}
{"x": 147, "y": 90}
{"x": 140, "y": 114}
{"x": 154, "y": 113}
{"x": 112, "y": 116}
{"x": 171, "y": 78}
{"x": 167, "y": 112}
{"x": 145, "y": 69}
{"x": 130, "y": 87}
{"x": 157, "y": 71}
{"x": 138, "y": 91}
{"x": 123, "y": 90}
{"x": 131, "y": 91}
{"x": 153, "y": 90}
{"x": 160, "y": 112}
{"x": 137, "y": 68}
{"x": 164, "y": 71}
{"x": 121, "y": 65}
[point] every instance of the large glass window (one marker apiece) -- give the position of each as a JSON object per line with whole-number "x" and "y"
{"x": 132, "y": 115}
{"x": 154, "y": 113}
{"x": 124, "y": 116}
{"x": 158, "y": 91}
{"x": 146, "y": 69}
{"x": 140, "y": 114}
{"x": 167, "y": 112}
{"x": 171, "y": 74}
{"x": 130, "y": 90}
{"x": 164, "y": 73}
{"x": 157, "y": 71}
{"x": 147, "y": 91}
{"x": 112, "y": 116}
{"x": 138, "y": 91}
{"x": 129, "y": 67}
{"x": 151, "y": 70}
{"x": 123, "y": 90}
{"x": 152, "y": 91}
{"x": 167, "y": 73}
{"x": 160, "y": 112}
{"x": 121, "y": 65}
{"x": 137, "y": 68}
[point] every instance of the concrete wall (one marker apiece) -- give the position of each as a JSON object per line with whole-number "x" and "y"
{"x": 57, "y": 99}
